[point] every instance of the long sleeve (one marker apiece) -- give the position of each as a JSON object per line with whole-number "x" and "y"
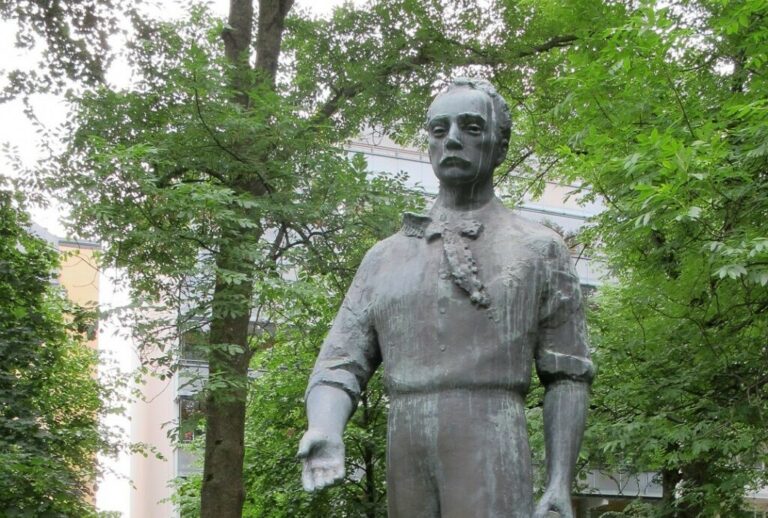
{"x": 562, "y": 351}
{"x": 350, "y": 353}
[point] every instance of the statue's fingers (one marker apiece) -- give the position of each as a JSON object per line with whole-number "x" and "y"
{"x": 328, "y": 477}
{"x": 305, "y": 446}
{"x": 560, "y": 509}
{"x": 542, "y": 511}
{"x": 307, "y": 477}
{"x": 337, "y": 473}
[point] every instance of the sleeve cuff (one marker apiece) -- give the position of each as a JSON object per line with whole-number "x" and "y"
{"x": 338, "y": 378}
{"x": 553, "y": 366}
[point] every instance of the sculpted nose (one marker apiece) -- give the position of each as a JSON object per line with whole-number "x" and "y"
{"x": 453, "y": 140}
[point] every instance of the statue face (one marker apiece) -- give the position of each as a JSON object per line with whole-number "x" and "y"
{"x": 463, "y": 145}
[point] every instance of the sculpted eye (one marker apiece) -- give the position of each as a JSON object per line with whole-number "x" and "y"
{"x": 437, "y": 131}
{"x": 474, "y": 129}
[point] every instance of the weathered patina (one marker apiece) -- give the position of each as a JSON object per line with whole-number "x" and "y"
{"x": 458, "y": 307}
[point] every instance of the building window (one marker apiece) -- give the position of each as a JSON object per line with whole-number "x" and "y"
{"x": 190, "y": 418}
{"x": 193, "y": 345}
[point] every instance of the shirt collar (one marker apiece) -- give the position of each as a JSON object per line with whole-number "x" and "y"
{"x": 436, "y": 223}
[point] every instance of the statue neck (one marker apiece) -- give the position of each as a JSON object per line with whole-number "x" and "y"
{"x": 464, "y": 197}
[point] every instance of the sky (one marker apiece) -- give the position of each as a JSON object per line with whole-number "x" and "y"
{"x": 113, "y": 493}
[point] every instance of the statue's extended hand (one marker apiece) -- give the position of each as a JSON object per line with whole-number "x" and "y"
{"x": 557, "y": 500}
{"x": 322, "y": 458}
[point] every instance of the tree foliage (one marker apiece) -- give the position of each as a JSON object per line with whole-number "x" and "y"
{"x": 68, "y": 39}
{"x": 50, "y": 400}
{"x": 662, "y": 116}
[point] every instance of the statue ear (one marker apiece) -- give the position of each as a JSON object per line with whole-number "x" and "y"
{"x": 501, "y": 152}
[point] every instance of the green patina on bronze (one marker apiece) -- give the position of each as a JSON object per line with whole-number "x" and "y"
{"x": 458, "y": 307}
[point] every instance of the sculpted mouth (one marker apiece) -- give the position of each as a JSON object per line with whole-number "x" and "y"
{"x": 454, "y": 161}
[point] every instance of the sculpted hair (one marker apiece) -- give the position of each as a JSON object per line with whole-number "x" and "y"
{"x": 500, "y": 107}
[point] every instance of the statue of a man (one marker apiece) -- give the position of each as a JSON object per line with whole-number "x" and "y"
{"x": 458, "y": 306}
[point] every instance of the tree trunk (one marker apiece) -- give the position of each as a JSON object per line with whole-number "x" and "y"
{"x": 669, "y": 481}
{"x": 223, "y": 493}
{"x": 694, "y": 475}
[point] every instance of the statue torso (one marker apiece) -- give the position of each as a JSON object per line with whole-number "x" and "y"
{"x": 431, "y": 335}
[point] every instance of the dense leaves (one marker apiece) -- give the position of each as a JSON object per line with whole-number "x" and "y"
{"x": 662, "y": 116}
{"x": 50, "y": 401}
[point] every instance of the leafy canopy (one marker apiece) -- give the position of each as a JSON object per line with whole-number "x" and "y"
{"x": 50, "y": 400}
{"x": 663, "y": 117}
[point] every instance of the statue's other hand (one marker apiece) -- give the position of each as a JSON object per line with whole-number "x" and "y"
{"x": 557, "y": 501}
{"x": 322, "y": 457}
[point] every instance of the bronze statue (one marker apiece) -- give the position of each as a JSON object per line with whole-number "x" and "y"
{"x": 458, "y": 306}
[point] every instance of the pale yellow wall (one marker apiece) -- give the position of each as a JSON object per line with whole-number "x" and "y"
{"x": 79, "y": 276}
{"x": 150, "y": 421}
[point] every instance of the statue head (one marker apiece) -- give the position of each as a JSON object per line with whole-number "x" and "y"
{"x": 469, "y": 128}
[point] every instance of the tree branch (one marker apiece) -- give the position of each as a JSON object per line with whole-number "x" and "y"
{"x": 341, "y": 94}
{"x": 680, "y": 104}
{"x": 554, "y": 43}
{"x": 263, "y": 183}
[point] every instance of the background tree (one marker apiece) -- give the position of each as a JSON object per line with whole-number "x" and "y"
{"x": 662, "y": 116}
{"x": 50, "y": 400}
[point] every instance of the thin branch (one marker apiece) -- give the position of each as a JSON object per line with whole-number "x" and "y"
{"x": 152, "y": 221}
{"x": 165, "y": 180}
{"x": 210, "y": 131}
{"x": 554, "y": 43}
{"x": 581, "y": 253}
{"x": 514, "y": 165}
{"x": 221, "y": 146}
{"x": 680, "y": 104}
{"x": 275, "y": 252}
{"x": 539, "y": 176}
{"x": 331, "y": 106}
{"x": 602, "y": 110}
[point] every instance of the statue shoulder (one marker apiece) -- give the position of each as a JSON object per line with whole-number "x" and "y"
{"x": 383, "y": 250}
{"x": 542, "y": 239}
